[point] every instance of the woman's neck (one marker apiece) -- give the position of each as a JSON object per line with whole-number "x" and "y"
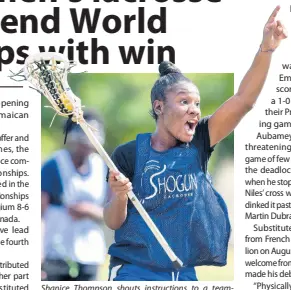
{"x": 162, "y": 140}
{"x": 78, "y": 161}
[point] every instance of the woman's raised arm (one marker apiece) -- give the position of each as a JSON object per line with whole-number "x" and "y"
{"x": 227, "y": 117}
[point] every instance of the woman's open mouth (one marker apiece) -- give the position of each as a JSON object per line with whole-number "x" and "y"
{"x": 190, "y": 127}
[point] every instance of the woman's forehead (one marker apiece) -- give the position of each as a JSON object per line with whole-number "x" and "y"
{"x": 185, "y": 88}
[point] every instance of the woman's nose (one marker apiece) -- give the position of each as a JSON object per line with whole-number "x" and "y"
{"x": 193, "y": 109}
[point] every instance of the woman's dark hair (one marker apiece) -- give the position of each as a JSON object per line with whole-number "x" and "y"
{"x": 169, "y": 76}
{"x": 89, "y": 115}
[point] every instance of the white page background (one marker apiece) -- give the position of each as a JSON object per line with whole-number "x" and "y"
{"x": 207, "y": 37}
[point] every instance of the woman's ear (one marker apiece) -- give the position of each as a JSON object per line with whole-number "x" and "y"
{"x": 158, "y": 107}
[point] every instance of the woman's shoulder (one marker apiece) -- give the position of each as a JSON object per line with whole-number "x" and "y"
{"x": 125, "y": 153}
{"x": 124, "y": 158}
{"x": 204, "y": 121}
{"x": 201, "y": 130}
{"x": 201, "y": 136}
{"x": 127, "y": 148}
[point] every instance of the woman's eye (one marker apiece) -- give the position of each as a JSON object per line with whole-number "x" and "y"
{"x": 184, "y": 102}
{"x": 197, "y": 105}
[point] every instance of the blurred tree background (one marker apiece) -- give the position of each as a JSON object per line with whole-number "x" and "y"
{"x": 123, "y": 101}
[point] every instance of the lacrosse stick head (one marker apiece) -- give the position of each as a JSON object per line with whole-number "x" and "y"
{"x": 47, "y": 72}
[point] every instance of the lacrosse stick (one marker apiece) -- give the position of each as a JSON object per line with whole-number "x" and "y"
{"x": 47, "y": 72}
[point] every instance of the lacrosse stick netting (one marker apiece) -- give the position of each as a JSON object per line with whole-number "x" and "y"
{"x": 47, "y": 72}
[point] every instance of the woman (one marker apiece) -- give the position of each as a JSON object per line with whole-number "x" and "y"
{"x": 73, "y": 193}
{"x": 168, "y": 172}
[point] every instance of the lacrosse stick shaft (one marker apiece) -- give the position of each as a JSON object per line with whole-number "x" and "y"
{"x": 175, "y": 260}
